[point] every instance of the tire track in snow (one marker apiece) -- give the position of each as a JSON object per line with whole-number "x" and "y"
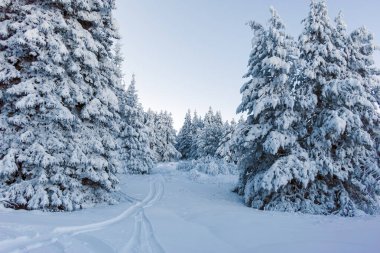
{"x": 23, "y": 243}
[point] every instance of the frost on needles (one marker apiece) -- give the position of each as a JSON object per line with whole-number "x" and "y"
{"x": 58, "y": 103}
{"x": 311, "y": 139}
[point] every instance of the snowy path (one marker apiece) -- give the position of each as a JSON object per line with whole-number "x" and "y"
{"x": 196, "y": 214}
{"x": 138, "y": 243}
{"x": 143, "y": 238}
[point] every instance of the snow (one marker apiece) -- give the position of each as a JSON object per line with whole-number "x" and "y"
{"x": 169, "y": 212}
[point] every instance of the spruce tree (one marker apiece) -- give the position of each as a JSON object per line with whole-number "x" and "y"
{"x": 134, "y": 142}
{"x": 328, "y": 162}
{"x": 197, "y": 125}
{"x": 210, "y": 135}
{"x": 226, "y": 148}
{"x": 184, "y": 138}
{"x": 342, "y": 123}
{"x": 361, "y": 51}
{"x": 166, "y": 138}
{"x": 162, "y": 136}
{"x": 272, "y": 163}
{"x": 149, "y": 122}
{"x": 58, "y": 109}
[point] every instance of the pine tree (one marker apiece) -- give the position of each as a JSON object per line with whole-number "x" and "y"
{"x": 226, "y": 148}
{"x": 137, "y": 156}
{"x": 328, "y": 162}
{"x": 271, "y": 162}
{"x": 167, "y": 138}
{"x": 342, "y": 124}
{"x": 361, "y": 63}
{"x": 184, "y": 138}
{"x": 118, "y": 60}
{"x": 162, "y": 138}
{"x": 341, "y": 42}
{"x": 210, "y": 135}
{"x": 197, "y": 125}
{"x": 150, "y": 123}
{"x": 58, "y": 109}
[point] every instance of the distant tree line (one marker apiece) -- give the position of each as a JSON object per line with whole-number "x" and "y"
{"x": 208, "y": 136}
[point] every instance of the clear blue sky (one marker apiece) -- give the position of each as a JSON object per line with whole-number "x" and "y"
{"x": 193, "y": 53}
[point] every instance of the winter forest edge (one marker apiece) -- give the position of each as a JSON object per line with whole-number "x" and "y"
{"x": 309, "y": 141}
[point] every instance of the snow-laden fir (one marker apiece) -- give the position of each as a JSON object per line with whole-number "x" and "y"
{"x": 162, "y": 136}
{"x": 58, "y": 103}
{"x": 311, "y": 139}
{"x": 210, "y": 134}
{"x": 136, "y": 155}
{"x": 185, "y": 137}
{"x": 67, "y": 124}
{"x": 206, "y": 137}
{"x": 225, "y": 148}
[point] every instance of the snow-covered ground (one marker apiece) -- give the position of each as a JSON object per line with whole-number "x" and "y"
{"x": 183, "y": 212}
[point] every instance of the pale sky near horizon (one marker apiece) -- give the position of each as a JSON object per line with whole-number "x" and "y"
{"x": 192, "y": 54}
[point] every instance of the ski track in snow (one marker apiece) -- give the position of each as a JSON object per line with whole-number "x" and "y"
{"x": 142, "y": 241}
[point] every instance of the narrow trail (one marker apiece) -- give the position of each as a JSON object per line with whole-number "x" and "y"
{"x": 143, "y": 233}
{"x": 143, "y": 239}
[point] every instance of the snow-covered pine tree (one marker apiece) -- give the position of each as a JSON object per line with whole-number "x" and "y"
{"x": 197, "y": 125}
{"x": 118, "y": 60}
{"x": 59, "y": 110}
{"x": 199, "y": 138}
{"x": 149, "y": 122}
{"x": 341, "y": 123}
{"x": 341, "y": 42}
{"x": 226, "y": 148}
{"x": 185, "y": 138}
{"x": 167, "y": 138}
{"x": 162, "y": 136}
{"x": 210, "y": 135}
{"x": 134, "y": 142}
{"x": 361, "y": 51}
{"x": 273, "y": 166}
